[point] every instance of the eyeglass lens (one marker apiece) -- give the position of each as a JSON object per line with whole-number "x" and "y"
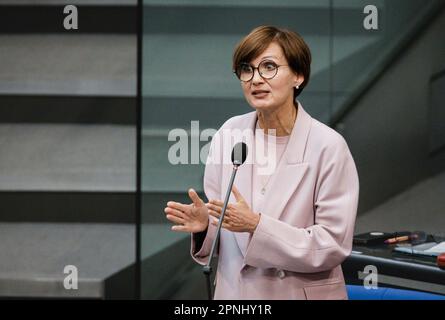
{"x": 267, "y": 70}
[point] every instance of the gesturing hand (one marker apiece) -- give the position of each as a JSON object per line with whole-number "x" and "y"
{"x": 188, "y": 217}
{"x": 238, "y": 216}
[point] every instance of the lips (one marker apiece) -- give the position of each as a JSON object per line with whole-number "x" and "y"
{"x": 259, "y": 92}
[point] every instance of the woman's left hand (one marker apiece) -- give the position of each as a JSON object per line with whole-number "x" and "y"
{"x": 238, "y": 216}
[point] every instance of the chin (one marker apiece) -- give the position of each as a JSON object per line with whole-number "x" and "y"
{"x": 256, "y": 104}
{"x": 261, "y": 106}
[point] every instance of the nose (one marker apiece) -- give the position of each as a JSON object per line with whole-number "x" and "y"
{"x": 256, "y": 76}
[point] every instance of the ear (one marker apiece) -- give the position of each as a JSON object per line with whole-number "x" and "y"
{"x": 298, "y": 80}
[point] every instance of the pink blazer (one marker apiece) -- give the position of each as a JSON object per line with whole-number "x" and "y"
{"x": 307, "y": 221}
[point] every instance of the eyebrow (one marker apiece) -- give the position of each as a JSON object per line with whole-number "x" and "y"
{"x": 266, "y": 57}
{"x": 270, "y": 57}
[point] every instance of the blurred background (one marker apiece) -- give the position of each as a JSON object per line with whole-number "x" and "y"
{"x": 67, "y": 148}
{"x": 69, "y": 127}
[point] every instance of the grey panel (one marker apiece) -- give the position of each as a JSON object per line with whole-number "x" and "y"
{"x": 34, "y": 256}
{"x": 98, "y": 65}
{"x": 67, "y": 2}
{"x": 62, "y": 206}
{"x": 388, "y": 129}
{"x": 67, "y": 109}
{"x": 167, "y": 272}
{"x": 203, "y": 68}
{"x": 54, "y": 157}
{"x": 421, "y": 207}
{"x": 437, "y": 113}
{"x": 162, "y": 176}
{"x": 232, "y": 19}
{"x": 173, "y": 112}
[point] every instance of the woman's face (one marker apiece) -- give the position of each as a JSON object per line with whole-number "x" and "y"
{"x": 271, "y": 94}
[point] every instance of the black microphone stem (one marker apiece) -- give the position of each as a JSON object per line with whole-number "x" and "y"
{"x": 207, "y": 269}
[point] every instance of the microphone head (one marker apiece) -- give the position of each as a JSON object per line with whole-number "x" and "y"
{"x": 239, "y": 153}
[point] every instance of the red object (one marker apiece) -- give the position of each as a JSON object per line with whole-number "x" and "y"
{"x": 441, "y": 261}
{"x": 398, "y": 239}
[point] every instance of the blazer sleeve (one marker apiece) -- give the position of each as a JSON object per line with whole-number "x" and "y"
{"x": 201, "y": 244}
{"x": 324, "y": 245}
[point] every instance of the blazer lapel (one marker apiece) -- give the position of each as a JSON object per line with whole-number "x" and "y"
{"x": 291, "y": 170}
{"x": 286, "y": 178}
{"x": 243, "y": 179}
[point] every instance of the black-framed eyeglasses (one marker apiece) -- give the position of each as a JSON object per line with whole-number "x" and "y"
{"x": 267, "y": 70}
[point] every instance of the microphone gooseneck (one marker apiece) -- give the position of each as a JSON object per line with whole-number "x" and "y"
{"x": 239, "y": 156}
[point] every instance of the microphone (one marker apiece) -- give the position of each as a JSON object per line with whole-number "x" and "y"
{"x": 239, "y": 154}
{"x": 238, "y": 157}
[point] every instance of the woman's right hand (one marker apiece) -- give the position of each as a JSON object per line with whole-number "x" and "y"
{"x": 188, "y": 217}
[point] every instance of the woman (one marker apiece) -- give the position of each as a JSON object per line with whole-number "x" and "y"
{"x": 286, "y": 232}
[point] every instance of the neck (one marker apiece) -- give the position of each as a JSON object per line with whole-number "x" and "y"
{"x": 281, "y": 120}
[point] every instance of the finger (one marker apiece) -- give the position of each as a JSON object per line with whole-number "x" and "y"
{"x": 231, "y": 207}
{"x": 217, "y": 202}
{"x": 217, "y": 213}
{"x": 214, "y": 213}
{"x": 227, "y": 215}
{"x": 213, "y": 207}
{"x": 227, "y": 226}
{"x": 175, "y": 219}
{"x": 218, "y": 208}
{"x": 237, "y": 194}
{"x": 177, "y": 206}
{"x": 224, "y": 225}
{"x": 180, "y": 228}
{"x": 195, "y": 198}
{"x": 212, "y": 219}
{"x": 175, "y": 212}
{"x": 225, "y": 221}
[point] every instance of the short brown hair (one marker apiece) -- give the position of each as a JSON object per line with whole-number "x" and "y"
{"x": 295, "y": 50}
